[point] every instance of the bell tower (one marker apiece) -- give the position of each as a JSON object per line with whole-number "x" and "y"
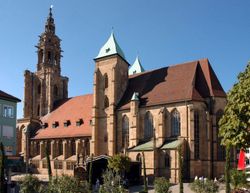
{"x": 46, "y": 85}
{"x": 110, "y": 83}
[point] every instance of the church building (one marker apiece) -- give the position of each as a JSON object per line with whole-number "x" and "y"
{"x": 131, "y": 111}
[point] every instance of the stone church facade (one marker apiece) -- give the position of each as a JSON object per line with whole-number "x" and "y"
{"x": 154, "y": 112}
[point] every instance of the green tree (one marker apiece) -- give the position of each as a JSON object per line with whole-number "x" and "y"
{"x": 48, "y": 162}
{"x": 235, "y": 123}
{"x": 30, "y": 184}
{"x": 2, "y": 160}
{"x": 180, "y": 160}
{"x": 119, "y": 163}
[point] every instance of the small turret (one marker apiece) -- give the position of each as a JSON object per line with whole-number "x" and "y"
{"x": 136, "y": 67}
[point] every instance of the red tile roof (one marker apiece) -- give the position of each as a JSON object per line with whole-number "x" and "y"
{"x": 6, "y": 96}
{"x": 72, "y": 109}
{"x": 189, "y": 81}
{"x": 194, "y": 80}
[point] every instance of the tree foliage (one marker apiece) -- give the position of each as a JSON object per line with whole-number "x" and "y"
{"x": 30, "y": 184}
{"x": 162, "y": 185}
{"x": 66, "y": 184}
{"x": 111, "y": 183}
{"x": 235, "y": 123}
{"x": 204, "y": 186}
{"x": 119, "y": 163}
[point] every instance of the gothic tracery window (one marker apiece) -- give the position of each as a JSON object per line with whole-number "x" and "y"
{"x": 38, "y": 110}
{"x": 125, "y": 131}
{"x": 175, "y": 123}
{"x": 148, "y": 126}
{"x": 73, "y": 147}
{"x": 55, "y": 91}
{"x": 60, "y": 147}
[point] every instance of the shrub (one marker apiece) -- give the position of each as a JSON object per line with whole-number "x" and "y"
{"x": 201, "y": 186}
{"x": 30, "y": 184}
{"x": 161, "y": 185}
{"x": 66, "y": 184}
{"x": 111, "y": 183}
{"x": 238, "y": 178}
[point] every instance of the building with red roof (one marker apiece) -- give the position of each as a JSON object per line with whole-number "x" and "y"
{"x": 154, "y": 112}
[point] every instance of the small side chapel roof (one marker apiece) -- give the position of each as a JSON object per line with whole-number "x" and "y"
{"x": 110, "y": 47}
{"x": 136, "y": 67}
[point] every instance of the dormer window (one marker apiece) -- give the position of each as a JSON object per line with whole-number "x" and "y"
{"x": 55, "y": 124}
{"x": 79, "y": 122}
{"x": 66, "y": 123}
{"x": 44, "y": 125}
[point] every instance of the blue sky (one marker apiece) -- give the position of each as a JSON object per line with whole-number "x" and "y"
{"x": 162, "y": 32}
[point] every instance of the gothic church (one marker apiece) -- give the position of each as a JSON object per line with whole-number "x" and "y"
{"x": 130, "y": 111}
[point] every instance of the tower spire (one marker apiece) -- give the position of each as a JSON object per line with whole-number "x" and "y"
{"x": 50, "y": 26}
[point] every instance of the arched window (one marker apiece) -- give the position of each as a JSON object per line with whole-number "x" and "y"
{"x": 48, "y": 145}
{"x": 38, "y": 110}
{"x": 106, "y": 102}
{"x": 196, "y": 135}
{"x": 49, "y": 56}
{"x": 39, "y": 89}
{"x": 40, "y": 56}
{"x": 175, "y": 123}
{"x": 125, "y": 131}
{"x": 37, "y": 148}
{"x": 138, "y": 157}
{"x": 106, "y": 81}
{"x": 55, "y": 91}
{"x": 148, "y": 126}
{"x": 167, "y": 161}
{"x": 73, "y": 147}
{"x": 221, "y": 152}
{"x": 60, "y": 147}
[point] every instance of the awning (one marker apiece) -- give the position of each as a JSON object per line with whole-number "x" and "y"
{"x": 172, "y": 144}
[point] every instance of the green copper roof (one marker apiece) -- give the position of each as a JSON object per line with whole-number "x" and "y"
{"x": 148, "y": 146}
{"x": 172, "y": 144}
{"x": 143, "y": 147}
{"x": 135, "y": 97}
{"x": 136, "y": 67}
{"x": 110, "y": 47}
